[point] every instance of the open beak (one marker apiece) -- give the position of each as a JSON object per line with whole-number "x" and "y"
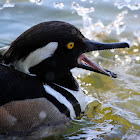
{"x": 85, "y": 63}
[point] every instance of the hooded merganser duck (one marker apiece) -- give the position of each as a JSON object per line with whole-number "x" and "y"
{"x": 37, "y": 87}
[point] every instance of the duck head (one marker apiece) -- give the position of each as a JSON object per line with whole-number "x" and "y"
{"x": 51, "y": 49}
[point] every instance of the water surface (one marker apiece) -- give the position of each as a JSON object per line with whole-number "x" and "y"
{"x": 118, "y": 115}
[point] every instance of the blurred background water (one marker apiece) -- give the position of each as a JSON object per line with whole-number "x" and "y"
{"x": 118, "y": 114}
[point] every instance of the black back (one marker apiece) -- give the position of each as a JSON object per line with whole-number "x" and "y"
{"x": 15, "y": 85}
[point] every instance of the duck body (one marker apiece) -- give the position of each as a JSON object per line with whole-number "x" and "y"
{"x": 37, "y": 88}
{"x": 27, "y": 103}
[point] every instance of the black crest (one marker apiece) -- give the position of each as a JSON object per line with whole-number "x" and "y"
{"x": 38, "y": 36}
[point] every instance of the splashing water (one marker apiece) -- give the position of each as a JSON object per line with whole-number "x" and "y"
{"x": 84, "y": 13}
{"x": 120, "y": 4}
{"x": 58, "y": 5}
{"x": 87, "y": 21}
{"x": 7, "y": 4}
{"x": 91, "y": 30}
{"x": 38, "y": 2}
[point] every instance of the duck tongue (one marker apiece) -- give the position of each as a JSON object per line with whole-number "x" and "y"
{"x": 85, "y": 63}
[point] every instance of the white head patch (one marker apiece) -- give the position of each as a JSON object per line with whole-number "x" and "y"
{"x": 36, "y": 57}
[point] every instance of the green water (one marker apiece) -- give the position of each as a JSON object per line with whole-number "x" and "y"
{"x": 118, "y": 114}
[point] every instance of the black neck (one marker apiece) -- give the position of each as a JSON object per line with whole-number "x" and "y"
{"x": 53, "y": 74}
{"x": 68, "y": 81}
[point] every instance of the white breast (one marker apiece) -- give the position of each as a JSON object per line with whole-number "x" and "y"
{"x": 82, "y": 99}
{"x": 61, "y": 99}
{"x": 79, "y": 95}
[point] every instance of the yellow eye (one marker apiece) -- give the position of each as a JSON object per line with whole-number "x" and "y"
{"x": 70, "y": 45}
